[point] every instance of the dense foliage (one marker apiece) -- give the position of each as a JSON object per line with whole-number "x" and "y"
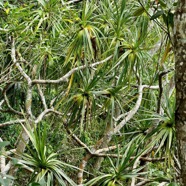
{"x": 87, "y": 93}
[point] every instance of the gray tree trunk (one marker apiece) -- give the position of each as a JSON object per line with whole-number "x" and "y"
{"x": 180, "y": 67}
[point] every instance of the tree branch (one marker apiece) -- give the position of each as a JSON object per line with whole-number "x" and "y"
{"x": 40, "y": 117}
{"x": 13, "y": 56}
{"x": 107, "y": 149}
{"x": 67, "y": 75}
{"x": 1, "y": 103}
{"x": 79, "y": 141}
{"x": 28, "y": 101}
{"x": 125, "y": 114}
{"x": 12, "y": 122}
{"x": 131, "y": 113}
{"x": 8, "y": 104}
{"x": 43, "y": 100}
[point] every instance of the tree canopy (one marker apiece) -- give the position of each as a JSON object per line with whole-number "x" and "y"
{"x": 87, "y": 93}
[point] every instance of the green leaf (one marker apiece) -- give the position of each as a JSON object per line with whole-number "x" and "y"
{"x": 157, "y": 14}
{"x": 173, "y": 184}
{"x": 4, "y": 143}
{"x": 162, "y": 3}
{"x": 139, "y": 11}
{"x": 34, "y": 184}
{"x": 42, "y": 2}
{"x": 171, "y": 19}
{"x": 14, "y": 161}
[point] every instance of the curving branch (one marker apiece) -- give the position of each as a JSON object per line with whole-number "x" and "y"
{"x": 12, "y": 122}
{"x": 13, "y": 56}
{"x": 108, "y": 136}
{"x": 1, "y": 103}
{"x": 133, "y": 182}
{"x": 8, "y": 104}
{"x": 67, "y": 75}
{"x": 79, "y": 141}
{"x": 44, "y": 113}
{"x": 43, "y": 100}
{"x": 92, "y": 152}
{"x": 143, "y": 183}
{"x": 2, "y": 159}
{"x": 99, "y": 153}
{"x": 107, "y": 149}
{"x": 37, "y": 120}
{"x": 126, "y": 114}
{"x": 132, "y": 112}
{"x": 28, "y": 101}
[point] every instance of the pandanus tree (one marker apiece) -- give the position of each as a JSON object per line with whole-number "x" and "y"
{"x": 87, "y": 92}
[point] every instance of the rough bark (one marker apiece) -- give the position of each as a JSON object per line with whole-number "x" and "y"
{"x": 180, "y": 67}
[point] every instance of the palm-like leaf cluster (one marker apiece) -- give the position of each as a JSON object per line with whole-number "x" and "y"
{"x": 47, "y": 168}
{"x": 56, "y": 37}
